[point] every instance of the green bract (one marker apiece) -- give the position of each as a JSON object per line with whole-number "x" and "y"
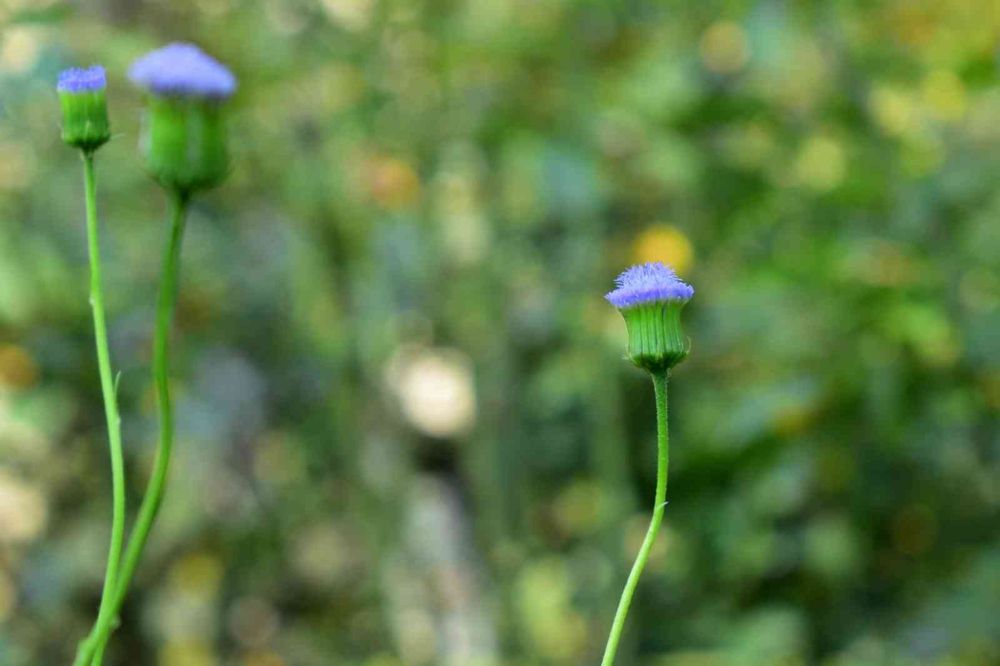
{"x": 655, "y": 339}
{"x": 85, "y": 118}
{"x": 184, "y": 142}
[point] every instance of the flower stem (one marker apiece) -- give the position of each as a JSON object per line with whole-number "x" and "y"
{"x": 663, "y": 461}
{"x": 109, "y": 395}
{"x": 165, "y": 303}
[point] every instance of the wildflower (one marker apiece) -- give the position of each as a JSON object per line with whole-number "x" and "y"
{"x": 84, "y": 107}
{"x": 650, "y": 297}
{"x": 184, "y": 139}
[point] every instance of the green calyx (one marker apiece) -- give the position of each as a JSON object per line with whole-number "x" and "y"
{"x": 184, "y": 143}
{"x": 655, "y": 339}
{"x": 85, "y": 122}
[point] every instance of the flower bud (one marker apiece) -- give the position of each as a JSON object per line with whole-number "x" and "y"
{"x": 184, "y": 138}
{"x": 184, "y": 143}
{"x": 650, "y": 298}
{"x": 84, "y": 107}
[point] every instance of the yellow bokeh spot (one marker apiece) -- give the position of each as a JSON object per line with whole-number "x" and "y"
{"x": 18, "y": 369}
{"x": 665, "y": 243}
{"x": 198, "y": 575}
{"x": 894, "y": 111}
{"x": 187, "y": 654}
{"x": 944, "y": 94}
{"x": 724, "y": 47}
{"x": 393, "y": 183}
{"x": 822, "y": 164}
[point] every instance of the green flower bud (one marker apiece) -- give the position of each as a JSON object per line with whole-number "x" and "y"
{"x": 85, "y": 122}
{"x": 184, "y": 138}
{"x": 184, "y": 142}
{"x": 655, "y": 339}
{"x": 650, "y": 298}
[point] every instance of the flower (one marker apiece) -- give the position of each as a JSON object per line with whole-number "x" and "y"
{"x": 77, "y": 79}
{"x": 184, "y": 137}
{"x": 84, "y": 107}
{"x": 183, "y": 70}
{"x": 648, "y": 283}
{"x": 650, "y": 297}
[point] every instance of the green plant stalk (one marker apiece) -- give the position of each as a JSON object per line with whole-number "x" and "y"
{"x": 663, "y": 462}
{"x": 109, "y": 395}
{"x": 165, "y": 304}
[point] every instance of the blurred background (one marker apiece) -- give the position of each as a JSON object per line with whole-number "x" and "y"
{"x": 407, "y": 434}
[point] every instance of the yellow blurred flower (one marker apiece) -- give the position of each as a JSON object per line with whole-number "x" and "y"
{"x": 724, "y": 47}
{"x": 664, "y": 243}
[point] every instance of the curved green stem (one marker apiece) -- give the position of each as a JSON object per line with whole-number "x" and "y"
{"x": 108, "y": 393}
{"x": 663, "y": 461}
{"x": 165, "y": 303}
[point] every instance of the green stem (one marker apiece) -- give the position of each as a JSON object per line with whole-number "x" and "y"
{"x": 165, "y": 303}
{"x": 663, "y": 461}
{"x": 108, "y": 393}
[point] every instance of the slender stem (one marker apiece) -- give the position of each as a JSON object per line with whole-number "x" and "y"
{"x": 166, "y": 301}
{"x": 109, "y": 396}
{"x": 663, "y": 461}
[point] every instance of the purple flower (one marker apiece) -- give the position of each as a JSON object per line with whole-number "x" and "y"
{"x": 182, "y": 70}
{"x": 648, "y": 283}
{"x": 77, "y": 80}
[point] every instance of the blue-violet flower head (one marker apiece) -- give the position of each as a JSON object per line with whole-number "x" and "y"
{"x": 648, "y": 283}
{"x": 77, "y": 80}
{"x": 183, "y": 70}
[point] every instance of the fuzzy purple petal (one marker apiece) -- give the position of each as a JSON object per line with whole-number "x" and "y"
{"x": 648, "y": 283}
{"x": 77, "y": 80}
{"x": 183, "y": 70}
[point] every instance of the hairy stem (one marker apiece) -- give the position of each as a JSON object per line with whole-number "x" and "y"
{"x": 663, "y": 460}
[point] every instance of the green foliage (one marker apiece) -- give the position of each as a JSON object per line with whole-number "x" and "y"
{"x": 406, "y": 433}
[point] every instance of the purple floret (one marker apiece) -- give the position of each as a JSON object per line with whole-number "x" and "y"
{"x": 648, "y": 283}
{"x": 182, "y": 70}
{"x": 87, "y": 79}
